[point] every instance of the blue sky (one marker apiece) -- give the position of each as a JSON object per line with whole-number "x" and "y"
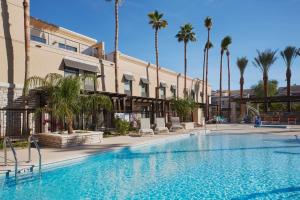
{"x": 252, "y": 24}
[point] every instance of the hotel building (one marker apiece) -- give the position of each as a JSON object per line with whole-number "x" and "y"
{"x": 54, "y": 49}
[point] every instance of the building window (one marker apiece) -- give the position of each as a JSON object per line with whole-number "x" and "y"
{"x": 89, "y": 82}
{"x": 71, "y": 71}
{"x": 67, "y": 47}
{"x": 38, "y": 39}
{"x": 173, "y": 91}
{"x": 144, "y": 90}
{"x": 162, "y": 92}
{"x": 128, "y": 87}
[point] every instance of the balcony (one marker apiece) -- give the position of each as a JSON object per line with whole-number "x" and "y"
{"x": 59, "y": 42}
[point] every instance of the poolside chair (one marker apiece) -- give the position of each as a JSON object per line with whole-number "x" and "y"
{"x": 175, "y": 124}
{"x": 161, "y": 126}
{"x": 275, "y": 120}
{"x": 292, "y": 120}
{"x": 145, "y": 127}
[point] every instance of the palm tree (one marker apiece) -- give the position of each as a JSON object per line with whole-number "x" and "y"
{"x": 242, "y": 64}
{"x": 116, "y": 58}
{"x": 264, "y": 61}
{"x": 288, "y": 55}
{"x": 205, "y": 71}
{"x": 208, "y": 24}
{"x": 155, "y": 19}
{"x": 27, "y": 60}
{"x": 228, "y": 69}
{"x": 186, "y": 35}
{"x": 63, "y": 97}
{"x": 224, "y": 47}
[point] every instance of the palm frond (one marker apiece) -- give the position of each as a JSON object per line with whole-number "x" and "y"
{"x": 242, "y": 64}
{"x": 209, "y": 45}
{"x": 264, "y": 60}
{"x": 208, "y": 22}
{"x": 288, "y": 55}
{"x": 155, "y": 19}
{"x": 186, "y": 33}
{"x": 226, "y": 42}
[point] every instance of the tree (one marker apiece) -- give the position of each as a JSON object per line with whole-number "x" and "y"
{"x": 63, "y": 96}
{"x": 186, "y": 34}
{"x": 242, "y": 64}
{"x": 157, "y": 23}
{"x": 228, "y": 69}
{"x": 259, "y": 88}
{"x": 205, "y": 72}
{"x": 224, "y": 46}
{"x": 116, "y": 56}
{"x": 289, "y": 54}
{"x": 264, "y": 61}
{"x": 183, "y": 107}
{"x": 208, "y": 24}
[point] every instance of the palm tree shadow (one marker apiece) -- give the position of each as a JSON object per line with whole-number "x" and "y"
{"x": 265, "y": 194}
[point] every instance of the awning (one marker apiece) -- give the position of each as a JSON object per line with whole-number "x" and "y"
{"x": 173, "y": 87}
{"x": 128, "y": 77}
{"x": 162, "y": 84}
{"x": 144, "y": 81}
{"x": 77, "y": 64}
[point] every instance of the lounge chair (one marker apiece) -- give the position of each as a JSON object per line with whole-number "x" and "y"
{"x": 292, "y": 120}
{"x": 145, "y": 127}
{"x": 161, "y": 126}
{"x": 175, "y": 124}
{"x": 275, "y": 120}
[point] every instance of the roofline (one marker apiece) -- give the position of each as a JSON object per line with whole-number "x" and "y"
{"x": 152, "y": 65}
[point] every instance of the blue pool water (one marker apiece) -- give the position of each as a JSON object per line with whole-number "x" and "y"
{"x": 255, "y": 166}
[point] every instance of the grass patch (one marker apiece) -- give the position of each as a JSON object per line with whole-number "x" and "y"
{"x": 18, "y": 144}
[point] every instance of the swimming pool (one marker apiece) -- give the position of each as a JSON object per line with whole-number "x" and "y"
{"x": 255, "y": 166}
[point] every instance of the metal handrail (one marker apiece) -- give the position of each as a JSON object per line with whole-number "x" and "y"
{"x": 32, "y": 140}
{"x": 5, "y": 141}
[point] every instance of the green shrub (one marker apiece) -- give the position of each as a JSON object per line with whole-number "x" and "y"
{"x": 122, "y": 126}
{"x": 183, "y": 107}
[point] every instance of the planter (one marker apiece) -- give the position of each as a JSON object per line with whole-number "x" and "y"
{"x": 65, "y": 140}
{"x": 188, "y": 125}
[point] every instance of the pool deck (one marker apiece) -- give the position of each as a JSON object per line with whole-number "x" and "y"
{"x": 54, "y": 155}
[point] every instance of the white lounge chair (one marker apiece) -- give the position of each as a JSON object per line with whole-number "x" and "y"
{"x": 175, "y": 124}
{"x": 161, "y": 126}
{"x": 145, "y": 127}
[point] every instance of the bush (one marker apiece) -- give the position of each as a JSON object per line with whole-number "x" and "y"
{"x": 183, "y": 107}
{"x": 122, "y": 126}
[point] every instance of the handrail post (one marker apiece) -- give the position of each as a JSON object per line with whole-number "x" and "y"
{"x": 29, "y": 149}
{"x": 5, "y": 151}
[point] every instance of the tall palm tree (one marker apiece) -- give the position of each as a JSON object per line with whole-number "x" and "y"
{"x": 228, "y": 70}
{"x": 208, "y": 24}
{"x": 264, "y": 61}
{"x": 116, "y": 58}
{"x": 289, "y": 54}
{"x": 224, "y": 47}
{"x": 207, "y": 45}
{"x": 27, "y": 61}
{"x": 157, "y": 23}
{"x": 186, "y": 35}
{"x": 242, "y": 64}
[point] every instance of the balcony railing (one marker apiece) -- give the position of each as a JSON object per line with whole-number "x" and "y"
{"x": 53, "y": 40}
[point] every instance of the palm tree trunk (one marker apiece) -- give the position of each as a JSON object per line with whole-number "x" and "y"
{"x": 157, "y": 64}
{"x": 220, "y": 89}
{"x": 229, "y": 90}
{"x": 203, "y": 76}
{"x": 70, "y": 126}
{"x": 265, "y": 79}
{"x": 206, "y": 78}
{"x": 288, "y": 87}
{"x": 241, "y": 86}
{"x": 157, "y": 75}
{"x": 241, "y": 94}
{"x": 27, "y": 60}
{"x": 185, "y": 70}
{"x": 116, "y": 59}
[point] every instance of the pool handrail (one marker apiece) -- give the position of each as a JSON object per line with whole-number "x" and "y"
{"x": 5, "y": 141}
{"x": 31, "y": 139}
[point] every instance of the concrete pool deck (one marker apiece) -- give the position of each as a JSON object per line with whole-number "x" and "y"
{"x": 54, "y": 155}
